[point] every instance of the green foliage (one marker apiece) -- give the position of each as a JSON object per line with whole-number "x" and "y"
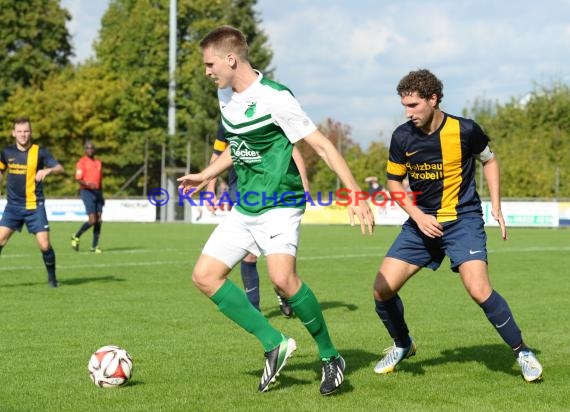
{"x": 119, "y": 99}
{"x": 34, "y": 42}
{"x": 134, "y": 46}
{"x": 198, "y": 114}
{"x": 361, "y": 163}
{"x": 532, "y": 142}
{"x": 75, "y": 105}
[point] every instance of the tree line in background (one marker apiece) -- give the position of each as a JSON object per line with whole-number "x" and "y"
{"x": 119, "y": 100}
{"x": 532, "y": 139}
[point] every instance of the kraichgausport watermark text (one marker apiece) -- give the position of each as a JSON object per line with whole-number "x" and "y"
{"x": 340, "y": 197}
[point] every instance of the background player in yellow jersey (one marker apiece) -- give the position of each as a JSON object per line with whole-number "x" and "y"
{"x": 27, "y": 165}
{"x": 437, "y": 152}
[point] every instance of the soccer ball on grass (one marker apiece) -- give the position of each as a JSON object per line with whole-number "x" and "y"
{"x": 110, "y": 367}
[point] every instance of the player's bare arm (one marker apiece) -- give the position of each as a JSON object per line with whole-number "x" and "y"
{"x": 300, "y": 162}
{"x": 428, "y": 224}
{"x": 211, "y": 187}
{"x": 90, "y": 185}
{"x": 326, "y": 150}
{"x": 42, "y": 173}
{"x": 492, "y": 175}
{"x": 198, "y": 181}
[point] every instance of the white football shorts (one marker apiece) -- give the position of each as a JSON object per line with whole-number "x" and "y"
{"x": 275, "y": 231}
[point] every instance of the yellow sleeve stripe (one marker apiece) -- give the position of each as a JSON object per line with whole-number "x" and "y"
{"x": 220, "y": 146}
{"x": 396, "y": 169}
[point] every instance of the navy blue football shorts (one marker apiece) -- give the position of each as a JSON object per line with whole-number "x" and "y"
{"x": 35, "y": 220}
{"x": 463, "y": 240}
{"x": 93, "y": 200}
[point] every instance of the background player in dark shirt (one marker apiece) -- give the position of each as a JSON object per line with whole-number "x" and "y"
{"x": 27, "y": 165}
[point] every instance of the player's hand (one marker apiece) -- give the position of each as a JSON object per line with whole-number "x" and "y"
{"x": 498, "y": 215}
{"x": 429, "y": 225}
{"x": 365, "y": 216}
{"x": 41, "y": 174}
{"x": 193, "y": 181}
{"x": 212, "y": 207}
{"x": 211, "y": 190}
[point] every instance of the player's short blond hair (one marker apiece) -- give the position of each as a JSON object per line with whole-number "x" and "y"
{"x": 226, "y": 39}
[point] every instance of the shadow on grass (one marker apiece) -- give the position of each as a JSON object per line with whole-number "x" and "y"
{"x": 324, "y": 306}
{"x": 26, "y": 284}
{"x": 87, "y": 251}
{"x": 356, "y": 359}
{"x": 66, "y": 282}
{"x": 80, "y": 281}
{"x": 496, "y": 357}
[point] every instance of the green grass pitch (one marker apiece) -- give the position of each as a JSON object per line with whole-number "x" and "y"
{"x": 188, "y": 357}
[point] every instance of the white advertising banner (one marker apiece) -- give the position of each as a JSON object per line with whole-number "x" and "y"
{"x": 115, "y": 210}
{"x": 524, "y": 214}
{"x": 517, "y": 214}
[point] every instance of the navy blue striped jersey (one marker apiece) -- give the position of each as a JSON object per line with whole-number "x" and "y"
{"x": 21, "y": 168}
{"x": 440, "y": 165}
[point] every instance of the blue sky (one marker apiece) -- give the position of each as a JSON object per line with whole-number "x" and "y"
{"x": 343, "y": 59}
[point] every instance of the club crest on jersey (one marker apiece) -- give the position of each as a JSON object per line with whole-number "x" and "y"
{"x": 242, "y": 153}
{"x": 250, "y": 111}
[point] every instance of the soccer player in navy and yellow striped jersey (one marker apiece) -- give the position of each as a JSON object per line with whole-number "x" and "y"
{"x": 27, "y": 165}
{"x": 437, "y": 152}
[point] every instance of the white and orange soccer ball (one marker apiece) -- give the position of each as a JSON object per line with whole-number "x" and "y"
{"x": 110, "y": 367}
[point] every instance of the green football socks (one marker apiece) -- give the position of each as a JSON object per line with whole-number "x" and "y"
{"x": 233, "y": 303}
{"x": 308, "y": 309}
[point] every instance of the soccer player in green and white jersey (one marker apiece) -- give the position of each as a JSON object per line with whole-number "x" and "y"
{"x": 262, "y": 121}
{"x": 248, "y": 267}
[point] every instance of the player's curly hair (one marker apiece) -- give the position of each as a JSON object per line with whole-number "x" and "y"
{"x": 226, "y": 39}
{"x": 422, "y": 81}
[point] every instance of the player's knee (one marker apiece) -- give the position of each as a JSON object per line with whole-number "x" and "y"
{"x": 480, "y": 293}
{"x": 199, "y": 279}
{"x": 383, "y": 295}
{"x": 45, "y": 248}
{"x": 4, "y": 236}
{"x": 382, "y": 290}
{"x": 286, "y": 284}
{"x": 204, "y": 278}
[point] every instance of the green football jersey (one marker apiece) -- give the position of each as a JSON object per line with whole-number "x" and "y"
{"x": 261, "y": 124}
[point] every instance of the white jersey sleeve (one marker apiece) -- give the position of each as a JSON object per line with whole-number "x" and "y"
{"x": 288, "y": 114}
